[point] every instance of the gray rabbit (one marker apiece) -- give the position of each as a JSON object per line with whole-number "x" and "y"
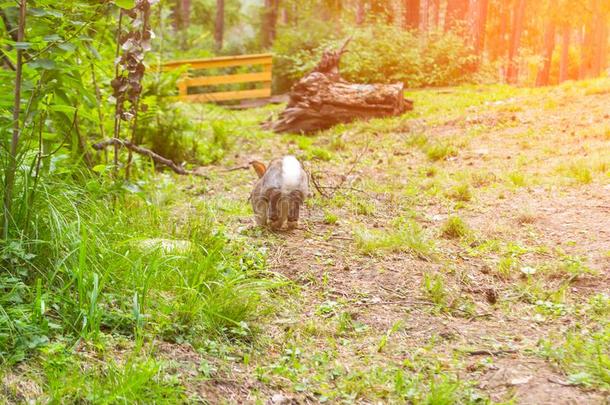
{"x": 279, "y": 192}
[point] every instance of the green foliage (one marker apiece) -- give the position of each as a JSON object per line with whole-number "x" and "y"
{"x": 163, "y": 125}
{"x": 112, "y": 269}
{"x": 584, "y": 355}
{"x": 377, "y": 54}
{"x": 137, "y": 380}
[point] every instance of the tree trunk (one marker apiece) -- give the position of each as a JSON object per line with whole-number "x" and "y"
{"x": 498, "y": 45}
{"x": 360, "y": 12}
{"x": 512, "y": 71}
{"x": 455, "y": 18}
{"x": 424, "y": 25}
{"x": 411, "y": 18}
{"x": 588, "y": 62}
{"x": 322, "y": 99}
{"x": 564, "y": 64}
{"x": 185, "y": 13}
{"x": 603, "y": 49}
{"x": 331, "y": 9}
{"x": 185, "y": 19}
{"x": 219, "y": 26}
{"x": 601, "y": 41}
{"x": 269, "y": 26}
{"x": 481, "y": 26}
{"x": 382, "y": 10}
{"x": 542, "y": 78}
{"x": 436, "y": 7}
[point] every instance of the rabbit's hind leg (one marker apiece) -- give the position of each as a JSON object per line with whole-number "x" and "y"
{"x": 260, "y": 214}
{"x": 260, "y": 206}
{"x": 275, "y": 219}
{"x": 295, "y": 200}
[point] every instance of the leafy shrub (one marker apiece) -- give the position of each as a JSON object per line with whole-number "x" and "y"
{"x": 163, "y": 126}
{"x": 295, "y": 51}
{"x": 376, "y": 54}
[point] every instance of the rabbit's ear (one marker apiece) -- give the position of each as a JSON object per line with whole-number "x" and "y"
{"x": 259, "y": 168}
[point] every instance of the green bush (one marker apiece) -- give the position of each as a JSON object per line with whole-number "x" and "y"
{"x": 377, "y": 54}
{"x": 162, "y": 125}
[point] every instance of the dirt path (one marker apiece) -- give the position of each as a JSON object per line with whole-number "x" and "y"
{"x": 387, "y": 307}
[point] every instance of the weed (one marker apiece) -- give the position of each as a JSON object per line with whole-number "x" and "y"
{"x": 138, "y": 379}
{"x": 517, "y": 179}
{"x": 316, "y": 153}
{"x": 461, "y": 192}
{"x": 407, "y": 237}
{"x": 574, "y": 266}
{"x": 364, "y": 207}
{"x": 579, "y": 172}
{"x": 507, "y": 266}
{"x": 219, "y": 142}
{"x": 526, "y": 217}
{"x": 384, "y": 339}
{"x": 482, "y": 179}
{"x": 434, "y": 289}
{"x": 330, "y": 218}
{"x": 337, "y": 143}
{"x": 419, "y": 140}
{"x": 440, "y": 151}
{"x": 455, "y": 227}
{"x": 584, "y": 355}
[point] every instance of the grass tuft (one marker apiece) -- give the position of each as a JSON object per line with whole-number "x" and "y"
{"x": 440, "y": 151}
{"x": 454, "y": 228}
{"x": 461, "y": 192}
{"x": 407, "y": 237}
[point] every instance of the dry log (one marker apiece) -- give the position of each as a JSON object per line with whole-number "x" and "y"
{"x": 143, "y": 151}
{"x": 322, "y": 99}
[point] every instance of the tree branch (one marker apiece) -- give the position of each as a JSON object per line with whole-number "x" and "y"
{"x": 146, "y": 152}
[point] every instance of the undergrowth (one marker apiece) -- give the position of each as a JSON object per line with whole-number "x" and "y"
{"x": 98, "y": 261}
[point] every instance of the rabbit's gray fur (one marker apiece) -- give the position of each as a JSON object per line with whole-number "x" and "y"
{"x": 278, "y": 195}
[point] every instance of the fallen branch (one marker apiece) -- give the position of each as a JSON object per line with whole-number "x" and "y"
{"x": 236, "y": 168}
{"x": 143, "y": 151}
{"x": 489, "y": 352}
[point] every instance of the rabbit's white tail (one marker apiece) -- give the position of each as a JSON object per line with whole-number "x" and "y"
{"x": 291, "y": 174}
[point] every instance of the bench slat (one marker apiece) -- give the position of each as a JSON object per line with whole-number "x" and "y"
{"x": 226, "y": 95}
{"x": 264, "y": 78}
{"x": 241, "y": 60}
{"x": 228, "y": 79}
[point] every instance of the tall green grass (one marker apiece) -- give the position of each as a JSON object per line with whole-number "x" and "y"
{"x": 94, "y": 259}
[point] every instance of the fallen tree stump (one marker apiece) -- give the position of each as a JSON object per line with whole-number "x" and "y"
{"x": 322, "y": 99}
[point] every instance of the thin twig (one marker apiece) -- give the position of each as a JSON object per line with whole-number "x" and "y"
{"x": 321, "y": 189}
{"x": 485, "y": 352}
{"x": 233, "y": 169}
